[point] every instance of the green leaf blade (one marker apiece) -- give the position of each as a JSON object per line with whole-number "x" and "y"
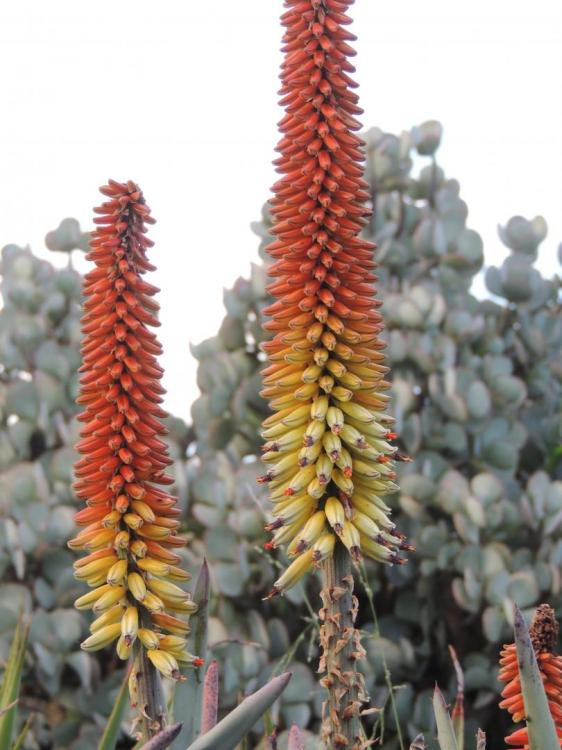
{"x": 9, "y": 692}
{"x": 458, "y": 708}
{"x": 540, "y": 725}
{"x": 234, "y": 727}
{"x": 113, "y": 726}
{"x": 445, "y": 730}
{"x": 188, "y": 695}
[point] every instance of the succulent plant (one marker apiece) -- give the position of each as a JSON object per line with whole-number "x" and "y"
{"x": 129, "y": 525}
{"x": 533, "y": 659}
{"x": 531, "y": 670}
{"x": 476, "y": 394}
{"x": 327, "y": 451}
{"x": 68, "y": 690}
{"x": 477, "y": 388}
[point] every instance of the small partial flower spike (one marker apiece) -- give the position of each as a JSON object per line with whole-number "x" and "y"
{"x": 544, "y": 637}
{"x": 129, "y": 522}
{"x": 328, "y": 451}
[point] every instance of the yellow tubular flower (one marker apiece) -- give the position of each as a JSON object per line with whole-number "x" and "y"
{"x": 323, "y": 548}
{"x": 123, "y": 648}
{"x": 148, "y": 638}
{"x": 130, "y": 625}
{"x": 309, "y": 534}
{"x": 109, "y": 617}
{"x": 293, "y": 574}
{"x": 170, "y": 623}
{"x": 165, "y": 663}
{"x": 184, "y": 657}
{"x": 329, "y": 441}
{"x": 117, "y": 573}
{"x": 109, "y": 598}
{"x": 172, "y": 643}
{"x": 129, "y": 522}
{"x": 88, "y": 600}
{"x": 102, "y": 637}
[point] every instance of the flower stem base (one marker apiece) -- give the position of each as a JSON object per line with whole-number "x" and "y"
{"x": 341, "y": 650}
{"x": 152, "y": 717}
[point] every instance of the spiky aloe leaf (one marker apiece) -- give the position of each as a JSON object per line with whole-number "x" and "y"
{"x": 113, "y": 727}
{"x": 458, "y": 708}
{"x": 11, "y": 685}
{"x": 236, "y": 725}
{"x": 188, "y": 695}
{"x": 540, "y": 725}
{"x": 445, "y": 731}
{"x": 163, "y": 739}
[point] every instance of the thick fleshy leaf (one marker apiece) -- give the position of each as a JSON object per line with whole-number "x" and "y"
{"x": 540, "y": 725}
{"x": 188, "y": 695}
{"x": 458, "y": 708}
{"x": 236, "y": 725}
{"x": 445, "y": 730}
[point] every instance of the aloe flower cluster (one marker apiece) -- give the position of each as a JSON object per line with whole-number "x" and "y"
{"x": 130, "y": 522}
{"x": 328, "y": 449}
{"x": 544, "y": 637}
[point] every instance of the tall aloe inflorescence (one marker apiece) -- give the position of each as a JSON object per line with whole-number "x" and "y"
{"x": 544, "y": 638}
{"x": 129, "y": 523}
{"x": 327, "y": 446}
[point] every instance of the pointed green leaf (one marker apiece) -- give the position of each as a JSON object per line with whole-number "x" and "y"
{"x": 234, "y": 727}
{"x": 445, "y": 731}
{"x": 188, "y": 695}
{"x": 113, "y": 726}
{"x": 18, "y": 744}
{"x": 9, "y": 692}
{"x": 540, "y": 725}
{"x": 458, "y": 708}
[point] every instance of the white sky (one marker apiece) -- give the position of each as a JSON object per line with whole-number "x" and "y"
{"x": 181, "y": 97}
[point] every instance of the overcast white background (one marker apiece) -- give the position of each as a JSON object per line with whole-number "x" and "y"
{"x": 181, "y": 97}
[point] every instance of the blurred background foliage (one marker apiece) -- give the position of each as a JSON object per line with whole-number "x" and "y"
{"x": 477, "y": 386}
